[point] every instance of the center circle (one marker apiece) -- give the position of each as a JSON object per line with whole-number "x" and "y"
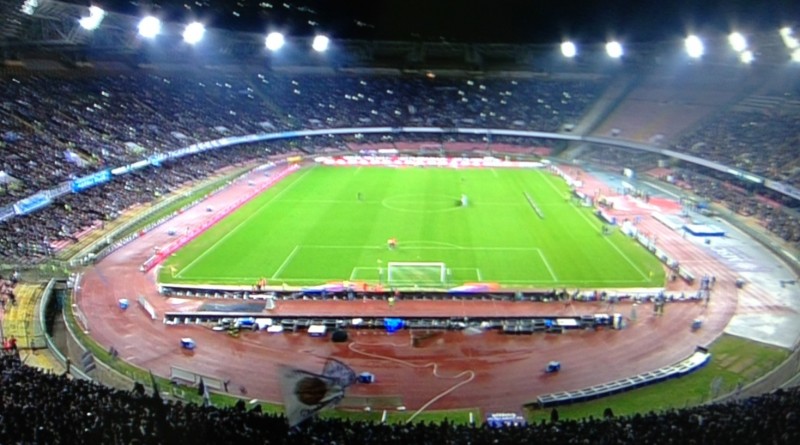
{"x": 419, "y": 203}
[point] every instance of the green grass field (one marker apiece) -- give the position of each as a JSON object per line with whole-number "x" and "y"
{"x": 313, "y": 228}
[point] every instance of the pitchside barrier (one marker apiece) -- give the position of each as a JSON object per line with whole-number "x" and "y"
{"x": 697, "y": 360}
{"x": 151, "y": 311}
{"x": 194, "y": 378}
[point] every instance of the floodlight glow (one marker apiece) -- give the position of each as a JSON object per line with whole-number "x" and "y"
{"x": 320, "y": 43}
{"x": 569, "y": 50}
{"x": 737, "y": 41}
{"x": 193, "y": 33}
{"x": 789, "y": 39}
{"x": 796, "y": 55}
{"x": 149, "y": 27}
{"x": 29, "y": 6}
{"x": 96, "y": 15}
{"x": 694, "y": 47}
{"x": 274, "y": 41}
{"x": 747, "y": 57}
{"x": 614, "y": 49}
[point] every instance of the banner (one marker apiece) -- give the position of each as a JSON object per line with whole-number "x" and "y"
{"x": 28, "y": 205}
{"x": 92, "y": 180}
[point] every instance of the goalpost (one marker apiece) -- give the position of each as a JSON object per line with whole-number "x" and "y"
{"x": 420, "y": 273}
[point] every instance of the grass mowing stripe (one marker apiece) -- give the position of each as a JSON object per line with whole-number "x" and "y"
{"x": 241, "y": 224}
{"x": 625, "y": 257}
{"x": 337, "y": 231}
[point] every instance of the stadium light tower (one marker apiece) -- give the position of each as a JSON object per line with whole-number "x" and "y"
{"x": 274, "y": 41}
{"x": 694, "y": 47}
{"x": 568, "y": 49}
{"x": 149, "y": 27}
{"x": 320, "y": 43}
{"x": 193, "y": 33}
{"x": 737, "y": 41}
{"x": 96, "y": 15}
{"x": 614, "y": 49}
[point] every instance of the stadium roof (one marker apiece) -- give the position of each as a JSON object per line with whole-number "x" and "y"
{"x": 471, "y": 21}
{"x": 409, "y": 34}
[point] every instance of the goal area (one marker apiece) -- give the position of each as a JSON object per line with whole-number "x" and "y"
{"x": 423, "y": 274}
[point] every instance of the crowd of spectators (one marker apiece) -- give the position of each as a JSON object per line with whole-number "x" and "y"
{"x": 760, "y": 142}
{"x": 39, "y": 407}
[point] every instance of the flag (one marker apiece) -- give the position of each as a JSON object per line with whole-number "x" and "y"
{"x": 156, "y": 392}
{"x": 342, "y": 374}
{"x": 306, "y": 393}
{"x": 202, "y": 390}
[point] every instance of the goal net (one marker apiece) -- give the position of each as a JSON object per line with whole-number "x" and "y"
{"x": 420, "y": 274}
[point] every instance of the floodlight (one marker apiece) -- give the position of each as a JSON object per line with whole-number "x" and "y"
{"x": 320, "y": 43}
{"x": 614, "y": 49}
{"x": 29, "y": 6}
{"x": 789, "y": 39}
{"x": 694, "y": 47}
{"x": 274, "y": 41}
{"x": 193, "y": 33}
{"x": 737, "y": 41}
{"x": 796, "y": 55}
{"x": 149, "y": 27}
{"x": 568, "y": 49}
{"x": 747, "y": 57}
{"x": 96, "y": 15}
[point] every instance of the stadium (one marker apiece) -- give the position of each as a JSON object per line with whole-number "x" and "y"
{"x": 333, "y": 239}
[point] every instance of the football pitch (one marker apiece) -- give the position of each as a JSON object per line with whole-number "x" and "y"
{"x": 519, "y": 229}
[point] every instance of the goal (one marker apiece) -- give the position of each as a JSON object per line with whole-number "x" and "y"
{"x": 419, "y": 274}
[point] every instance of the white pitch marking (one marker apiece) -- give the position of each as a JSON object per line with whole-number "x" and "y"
{"x": 285, "y": 262}
{"x": 547, "y": 264}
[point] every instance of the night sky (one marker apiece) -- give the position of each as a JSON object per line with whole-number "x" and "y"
{"x": 486, "y": 21}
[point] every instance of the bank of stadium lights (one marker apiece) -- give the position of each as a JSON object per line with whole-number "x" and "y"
{"x": 737, "y": 41}
{"x": 694, "y": 47}
{"x": 320, "y": 43}
{"x": 614, "y": 49}
{"x": 29, "y": 6}
{"x": 274, "y": 41}
{"x": 193, "y": 33}
{"x": 568, "y": 49}
{"x": 739, "y": 44}
{"x": 96, "y": 15}
{"x": 149, "y": 27}
{"x": 787, "y": 34}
